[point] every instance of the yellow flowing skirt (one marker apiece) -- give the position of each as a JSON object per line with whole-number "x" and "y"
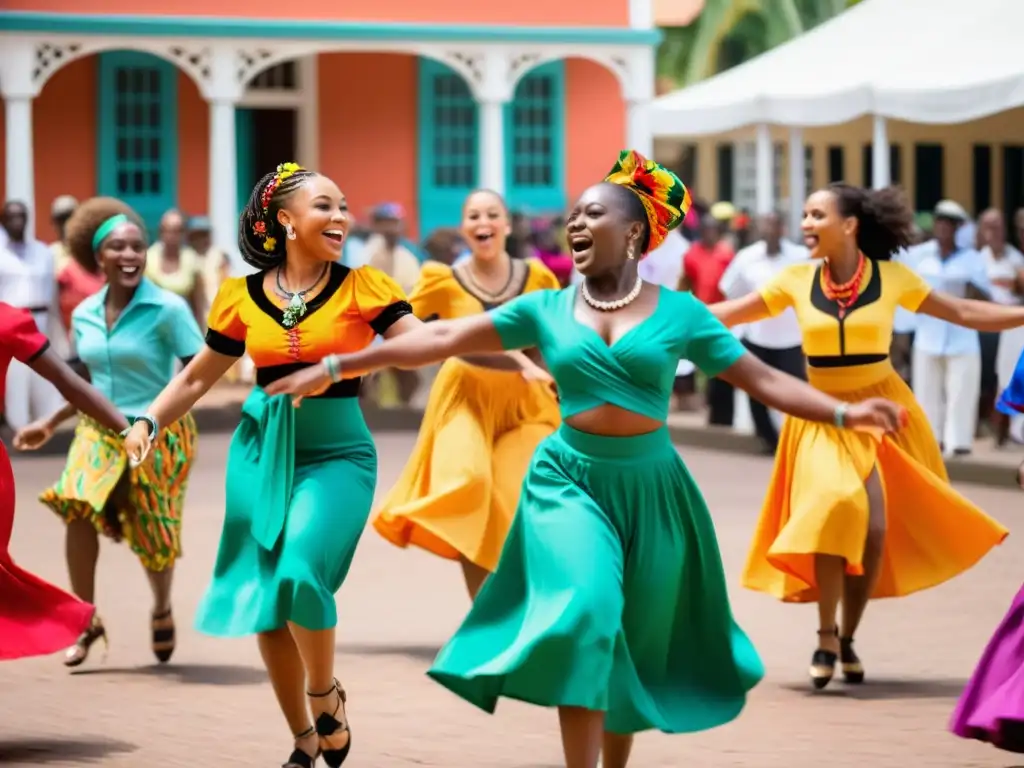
{"x": 457, "y": 495}
{"x": 817, "y": 504}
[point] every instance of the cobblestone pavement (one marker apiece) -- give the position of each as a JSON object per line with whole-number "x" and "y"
{"x": 213, "y": 705}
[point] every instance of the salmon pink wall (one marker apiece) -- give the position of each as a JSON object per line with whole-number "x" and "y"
{"x": 595, "y": 124}
{"x": 568, "y": 13}
{"x": 193, "y": 148}
{"x": 368, "y": 130}
{"x": 64, "y": 139}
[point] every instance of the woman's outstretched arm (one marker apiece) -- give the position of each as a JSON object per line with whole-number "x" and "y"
{"x": 745, "y": 309}
{"x": 426, "y": 344}
{"x": 972, "y": 313}
{"x": 185, "y": 389}
{"x": 79, "y": 393}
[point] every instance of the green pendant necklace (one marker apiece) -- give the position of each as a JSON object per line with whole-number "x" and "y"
{"x": 296, "y": 308}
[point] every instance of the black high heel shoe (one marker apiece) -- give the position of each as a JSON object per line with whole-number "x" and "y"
{"x": 853, "y": 670}
{"x": 298, "y": 758}
{"x": 823, "y": 663}
{"x": 328, "y": 725}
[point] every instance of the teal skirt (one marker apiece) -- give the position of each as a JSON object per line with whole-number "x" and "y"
{"x": 609, "y": 595}
{"x": 300, "y": 485}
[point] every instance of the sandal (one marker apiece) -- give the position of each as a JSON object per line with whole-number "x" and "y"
{"x": 328, "y": 725}
{"x": 163, "y": 640}
{"x": 853, "y": 670}
{"x": 823, "y": 662}
{"x": 299, "y": 758}
{"x": 79, "y": 652}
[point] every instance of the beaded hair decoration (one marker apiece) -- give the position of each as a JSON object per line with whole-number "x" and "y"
{"x": 665, "y": 198}
{"x": 259, "y": 227}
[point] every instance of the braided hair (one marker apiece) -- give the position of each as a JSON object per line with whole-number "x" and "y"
{"x": 261, "y": 237}
{"x": 885, "y": 222}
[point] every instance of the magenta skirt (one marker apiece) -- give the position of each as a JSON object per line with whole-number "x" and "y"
{"x": 991, "y": 708}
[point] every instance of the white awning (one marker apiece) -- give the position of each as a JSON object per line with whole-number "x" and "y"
{"x": 923, "y": 61}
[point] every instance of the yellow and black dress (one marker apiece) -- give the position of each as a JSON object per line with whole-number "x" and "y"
{"x": 459, "y": 491}
{"x": 300, "y": 481}
{"x": 816, "y": 501}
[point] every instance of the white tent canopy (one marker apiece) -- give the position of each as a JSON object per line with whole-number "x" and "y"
{"x": 923, "y": 61}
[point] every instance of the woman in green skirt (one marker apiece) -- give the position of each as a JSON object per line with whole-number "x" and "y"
{"x": 299, "y": 483}
{"x": 609, "y": 601}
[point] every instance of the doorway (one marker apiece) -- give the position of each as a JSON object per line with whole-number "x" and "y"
{"x": 265, "y": 138}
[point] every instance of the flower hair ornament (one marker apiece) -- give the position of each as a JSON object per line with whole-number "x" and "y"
{"x": 259, "y": 227}
{"x": 665, "y": 198}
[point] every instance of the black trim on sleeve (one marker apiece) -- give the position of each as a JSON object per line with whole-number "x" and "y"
{"x": 224, "y": 345}
{"x": 38, "y": 353}
{"x": 390, "y": 315}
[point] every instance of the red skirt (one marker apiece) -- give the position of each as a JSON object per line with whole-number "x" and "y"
{"x": 36, "y": 618}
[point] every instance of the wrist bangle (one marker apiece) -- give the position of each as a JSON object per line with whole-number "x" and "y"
{"x": 153, "y": 426}
{"x": 839, "y": 415}
{"x": 333, "y": 367}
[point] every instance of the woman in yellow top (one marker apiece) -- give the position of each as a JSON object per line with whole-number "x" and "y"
{"x": 486, "y": 413}
{"x": 300, "y": 482}
{"x": 851, "y": 516}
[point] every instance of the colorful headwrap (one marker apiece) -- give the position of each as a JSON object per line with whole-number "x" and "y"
{"x": 663, "y": 195}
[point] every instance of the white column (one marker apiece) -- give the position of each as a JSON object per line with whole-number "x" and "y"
{"x": 492, "y": 145}
{"x": 765, "y": 171}
{"x": 222, "y": 93}
{"x": 639, "y": 135}
{"x": 16, "y": 87}
{"x": 309, "y": 112}
{"x": 797, "y": 181}
{"x": 880, "y": 171}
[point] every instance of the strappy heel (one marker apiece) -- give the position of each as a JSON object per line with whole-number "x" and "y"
{"x": 163, "y": 639}
{"x": 298, "y": 758}
{"x": 823, "y": 663}
{"x": 79, "y": 652}
{"x": 853, "y": 669}
{"x": 328, "y": 725}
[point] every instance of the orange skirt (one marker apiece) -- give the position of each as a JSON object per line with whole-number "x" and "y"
{"x": 457, "y": 495}
{"x": 817, "y": 504}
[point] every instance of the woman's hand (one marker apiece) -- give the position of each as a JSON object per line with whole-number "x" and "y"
{"x": 308, "y": 381}
{"x": 534, "y": 372}
{"x": 138, "y": 443}
{"x": 34, "y": 436}
{"x": 875, "y": 413}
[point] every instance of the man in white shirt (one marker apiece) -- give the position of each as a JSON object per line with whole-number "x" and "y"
{"x": 27, "y": 280}
{"x": 777, "y": 340}
{"x": 946, "y": 358}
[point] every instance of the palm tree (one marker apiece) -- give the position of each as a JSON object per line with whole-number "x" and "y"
{"x": 729, "y": 32}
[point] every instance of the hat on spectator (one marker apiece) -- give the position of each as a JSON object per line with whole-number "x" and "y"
{"x": 388, "y": 212}
{"x": 200, "y": 224}
{"x": 63, "y": 206}
{"x": 950, "y": 210}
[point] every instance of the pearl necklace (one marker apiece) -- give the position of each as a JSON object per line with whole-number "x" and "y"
{"x": 611, "y": 306}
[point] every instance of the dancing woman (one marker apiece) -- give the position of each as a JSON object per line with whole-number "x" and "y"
{"x": 486, "y": 413}
{"x": 849, "y": 517}
{"x": 609, "y": 601}
{"x": 37, "y": 618}
{"x": 299, "y": 483}
{"x": 128, "y": 338}
{"x": 991, "y": 708}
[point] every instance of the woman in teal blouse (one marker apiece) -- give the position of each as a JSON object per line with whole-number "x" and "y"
{"x": 128, "y": 339}
{"x": 609, "y": 601}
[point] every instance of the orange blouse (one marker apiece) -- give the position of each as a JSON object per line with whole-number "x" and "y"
{"x": 354, "y": 306}
{"x": 442, "y": 294}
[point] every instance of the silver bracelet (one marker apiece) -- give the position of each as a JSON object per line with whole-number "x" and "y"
{"x": 153, "y": 426}
{"x": 839, "y": 415}
{"x": 333, "y": 367}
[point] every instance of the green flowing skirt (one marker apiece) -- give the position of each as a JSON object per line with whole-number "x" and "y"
{"x": 609, "y": 595}
{"x": 300, "y": 485}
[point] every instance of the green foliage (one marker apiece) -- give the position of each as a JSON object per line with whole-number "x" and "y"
{"x": 730, "y": 32}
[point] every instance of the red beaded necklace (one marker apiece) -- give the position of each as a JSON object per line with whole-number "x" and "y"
{"x": 843, "y": 294}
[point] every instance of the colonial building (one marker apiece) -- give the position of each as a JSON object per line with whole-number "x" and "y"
{"x": 180, "y": 104}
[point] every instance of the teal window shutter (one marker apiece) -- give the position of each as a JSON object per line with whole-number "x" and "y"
{"x": 449, "y": 146}
{"x": 138, "y": 132}
{"x": 535, "y": 141}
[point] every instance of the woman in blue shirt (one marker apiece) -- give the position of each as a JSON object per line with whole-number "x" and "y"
{"x": 128, "y": 338}
{"x": 609, "y": 599}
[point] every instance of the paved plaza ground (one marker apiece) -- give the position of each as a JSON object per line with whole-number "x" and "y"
{"x": 212, "y": 706}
